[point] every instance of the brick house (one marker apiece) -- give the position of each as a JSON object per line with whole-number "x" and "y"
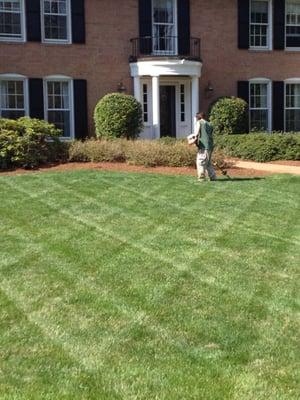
{"x": 59, "y": 57}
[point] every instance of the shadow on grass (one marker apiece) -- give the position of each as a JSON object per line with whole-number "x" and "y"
{"x": 237, "y": 179}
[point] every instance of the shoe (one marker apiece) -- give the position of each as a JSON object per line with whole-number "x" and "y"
{"x": 201, "y": 179}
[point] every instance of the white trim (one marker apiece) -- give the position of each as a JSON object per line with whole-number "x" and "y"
{"x": 268, "y": 82}
{"x": 269, "y": 46}
{"x": 292, "y": 80}
{"x": 166, "y": 68}
{"x": 23, "y": 37}
{"x": 61, "y": 78}
{"x": 18, "y": 77}
{"x": 69, "y": 26}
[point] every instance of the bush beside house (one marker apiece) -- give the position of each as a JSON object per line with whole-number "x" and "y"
{"x": 29, "y": 143}
{"x": 118, "y": 116}
{"x": 229, "y": 115}
{"x": 261, "y": 147}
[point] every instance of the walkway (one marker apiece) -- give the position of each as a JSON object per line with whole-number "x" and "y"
{"x": 269, "y": 167}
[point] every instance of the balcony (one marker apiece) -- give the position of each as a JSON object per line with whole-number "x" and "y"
{"x": 173, "y": 47}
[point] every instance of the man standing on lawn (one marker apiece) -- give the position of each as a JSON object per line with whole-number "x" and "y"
{"x": 205, "y": 144}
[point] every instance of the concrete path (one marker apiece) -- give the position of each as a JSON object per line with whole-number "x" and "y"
{"x": 268, "y": 167}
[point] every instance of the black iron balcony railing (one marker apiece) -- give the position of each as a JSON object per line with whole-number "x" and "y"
{"x": 165, "y": 46}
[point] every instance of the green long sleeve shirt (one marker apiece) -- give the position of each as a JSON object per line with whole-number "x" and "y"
{"x": 205, "y": 137}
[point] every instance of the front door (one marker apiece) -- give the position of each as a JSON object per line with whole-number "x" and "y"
{"x": 167, "y": 111}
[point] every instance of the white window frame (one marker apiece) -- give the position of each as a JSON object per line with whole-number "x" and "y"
{"x": 147, "y": 82}
{"x": 22, "y": 78}
{"x": 269, "y": 99}
{"x": 69, "y": 26}
{"x": 164, "y": 52}
{"x": 285, "y": 34}
{"x": 21, "y": 39}
{"x": 61, "y": 78}
{"x": 290, "y": 81}
{"x": 269, "y": 28}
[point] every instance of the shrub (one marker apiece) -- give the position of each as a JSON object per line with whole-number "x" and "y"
{"x": 261, "y": 147}
{"x": 229, "y": 115}
{"x": 25, "y": 142}
{"x": 118, "y": 116}
{"x": 149, "y": 153}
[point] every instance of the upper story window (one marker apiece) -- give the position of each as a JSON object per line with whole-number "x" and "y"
{"x": 260, "y": 106}
{"x": 260, "y": 23}
{"x": 56, "y": 21}
{"x": 292, "y": 16}
{"x": 58, "y": 104}
{"x": 292, "y": 107}
{"x": 13, "y": 97}
{"x": 164, "y": 27}
{"x": 12, "y": 20}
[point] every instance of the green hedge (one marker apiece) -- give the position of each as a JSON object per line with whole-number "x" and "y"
{"x": 261, "y": 147}
{"x": 149, "y": 153}
{"x": 29, "y": 143}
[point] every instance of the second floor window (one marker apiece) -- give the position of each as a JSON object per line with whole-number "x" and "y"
{"x": 293, "y": 23}
{"x": 12, "y": 98}
{"x": 164, "y": 26}
{"x": 11, "y": 19}
{"x": 56, "y": 20}
{"x": 259, "y": 24}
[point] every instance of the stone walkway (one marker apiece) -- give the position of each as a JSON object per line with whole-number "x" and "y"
{"x": 269, "y": 167}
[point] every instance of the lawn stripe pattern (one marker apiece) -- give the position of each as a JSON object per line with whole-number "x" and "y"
{"x": 145, "y": 300}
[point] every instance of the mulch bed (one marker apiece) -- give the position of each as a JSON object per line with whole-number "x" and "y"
{"x": 122, "y": 167}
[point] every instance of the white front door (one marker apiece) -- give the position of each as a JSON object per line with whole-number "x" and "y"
{"x": 180, "y": 90}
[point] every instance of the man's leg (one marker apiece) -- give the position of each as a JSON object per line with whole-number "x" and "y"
{"x": 210, "y": 169}
{"x": 201, "y": 164}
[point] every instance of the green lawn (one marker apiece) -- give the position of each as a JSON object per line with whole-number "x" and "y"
{"x": 132, "y": 286}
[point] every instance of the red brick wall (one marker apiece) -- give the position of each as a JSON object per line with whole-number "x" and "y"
{"x": 103, "y": 60}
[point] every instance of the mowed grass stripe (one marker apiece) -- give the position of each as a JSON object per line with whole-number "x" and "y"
{"x": 218, "y": 337}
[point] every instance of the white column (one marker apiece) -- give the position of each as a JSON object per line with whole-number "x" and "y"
{"x": 155, "y": 107}
{"x": 137, "y": 88}
{"x": 195, "y": 100}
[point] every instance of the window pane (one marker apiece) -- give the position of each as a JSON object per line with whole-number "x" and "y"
{"x": 293, "y": 120}
{"x": 163, "y": 11}
{"x": 61, "y": 119}
{"x": 259, "y": 12}
{"x": 10, "y": 19}
{"x": 259, "y": 120}
{"x": 55, "y": 20}
{"x": 12, "y": 104}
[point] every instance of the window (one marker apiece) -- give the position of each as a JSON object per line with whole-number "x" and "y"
{"x": 260, "y": 16}
{"x": 182, "y": 103}
{"x": 13, "y": 101}
{"x": 293, "y": 23}
{"x": 260, "y": 106}
{"x": 164, "y": 27}
{"x": 58, "y": 104}
{"x": 56, "y": 21}
{"x": 292, "y": 107}
{"x": 145, "y": 102}
{"x": 12, "y": 20}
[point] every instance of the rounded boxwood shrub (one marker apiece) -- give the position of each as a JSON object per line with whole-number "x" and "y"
{"x": 229, "y": 115}
{"x": 118, "y": 115}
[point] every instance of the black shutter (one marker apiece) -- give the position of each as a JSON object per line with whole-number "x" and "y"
{"x": 278, "y": 106}
{"x": 33, "y": 20}
{"x": 80, "y": 108}
{"x": 243, "y": 24}
{"x": 183, "y": 7}
{"x": 145, "y": 26}
{"x": 36, "y": 98}
{"x": 243, "y": 90}
{"x": 279, "y": 24}
{"x": 78, "y": 21}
